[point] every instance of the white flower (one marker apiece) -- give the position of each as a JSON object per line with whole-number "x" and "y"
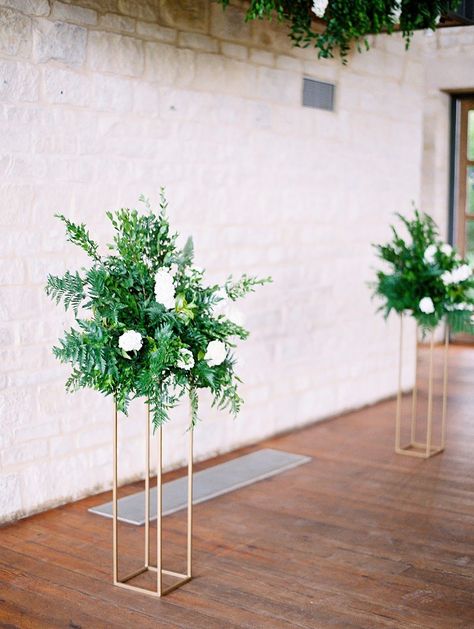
{"x": 234, "y": 315}
{"x": 430, "y": 252}
{"x": 130, "y": 340}
{"x": 447, "y": 278}
{"x": 186, "y": 359}
{"x": 426, "y": 305}
{"x": 446, "y": 249}
{"x": 464, "y": 306}
{"x": 215, "y": 353}
{"x": 462, "y": 273}
{"x": 164, "y": 289}
{"x": 319, "y": 7}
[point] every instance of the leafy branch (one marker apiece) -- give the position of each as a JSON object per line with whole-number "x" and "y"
{"x": 78, "y": 235}
{"x": 347, "y": 22}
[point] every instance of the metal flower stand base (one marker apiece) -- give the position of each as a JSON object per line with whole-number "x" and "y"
{"x": 148, "y": 565}
{"x": 424, "y": 448}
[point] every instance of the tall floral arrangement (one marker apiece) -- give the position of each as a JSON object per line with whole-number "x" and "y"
{"x": 426, "y": 277}
{"x": 146, "y": 323}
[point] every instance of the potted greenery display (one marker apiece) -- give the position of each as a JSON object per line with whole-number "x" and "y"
{"x": 147, "y": 324}
{"x": 427, "y": 280}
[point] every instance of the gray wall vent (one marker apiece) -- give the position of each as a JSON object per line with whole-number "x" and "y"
{"x": 318, "y": 94}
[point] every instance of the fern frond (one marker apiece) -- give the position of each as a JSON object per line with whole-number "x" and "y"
{"x": 69, "y": 288}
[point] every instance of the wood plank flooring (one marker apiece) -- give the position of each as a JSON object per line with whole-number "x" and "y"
{"x": 358, "y": 538}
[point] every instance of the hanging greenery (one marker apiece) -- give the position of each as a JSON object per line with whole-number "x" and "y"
{"x": 347, "y": 21}
{"x": 147, "y": 324}
{"x": 425, "y": 277}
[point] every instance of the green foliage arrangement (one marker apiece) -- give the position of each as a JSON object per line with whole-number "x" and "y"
{"x": 348, "y": 21}
{"x": 155, "y": 329}
{"x": 427, "y": 278}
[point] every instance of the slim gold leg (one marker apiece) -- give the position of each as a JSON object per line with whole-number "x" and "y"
{"x": 429, "y": 419}
{"x": 399, "y": 393}
{"x": 114, "y": 499}
{"x": 147, "y": 486}
{"x": 190, "y": 503}
{"x": 445, "y": 387}
{"x": 414, "y": 393}
{"x": 159, "y": 513}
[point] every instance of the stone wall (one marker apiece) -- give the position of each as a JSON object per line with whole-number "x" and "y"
{"x": 104, "y": 100}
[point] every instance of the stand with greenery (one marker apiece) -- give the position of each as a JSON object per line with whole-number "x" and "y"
{"x": 426, "y": 280}
{"x": 148, "y": 325}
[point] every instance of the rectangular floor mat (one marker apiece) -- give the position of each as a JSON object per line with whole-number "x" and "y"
{"x": 209, "y": 483}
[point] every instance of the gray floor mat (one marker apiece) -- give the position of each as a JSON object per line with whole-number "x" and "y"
{"x": 209, "y": 483}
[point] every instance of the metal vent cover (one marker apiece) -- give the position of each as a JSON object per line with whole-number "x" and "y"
{"x": 318, "y": 94}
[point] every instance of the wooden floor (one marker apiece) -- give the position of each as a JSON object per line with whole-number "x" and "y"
{"x": 359, "y": 537}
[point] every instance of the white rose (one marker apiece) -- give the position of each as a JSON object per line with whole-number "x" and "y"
{"x": 319, "y": 7}
{"x": 464, "y": 306}
{"x": 215, "y": 353}
{"x": 130, "y": 340}
{"x": 446, "y": 249}
{"x": 430, "y": 252}
{"x": 186, "y": 359}
{"x": 462, "y": 273}
{"x": 426, "y": 305}
{"x": 164, "y": 289}
{"x": 447, "y": 278}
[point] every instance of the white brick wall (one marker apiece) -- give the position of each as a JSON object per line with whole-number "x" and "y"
{"x": 102, "y": 101}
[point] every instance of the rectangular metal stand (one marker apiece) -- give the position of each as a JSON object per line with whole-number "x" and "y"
{"x": 416, "y": 448}
{"x": 148, "y": 566}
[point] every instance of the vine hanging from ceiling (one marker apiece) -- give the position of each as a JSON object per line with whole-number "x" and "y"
{"x": 333, "y": 25}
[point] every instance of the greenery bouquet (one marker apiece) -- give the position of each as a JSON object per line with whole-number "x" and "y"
{"x": 147, "y": 325}
{"x": 427, "y": 278}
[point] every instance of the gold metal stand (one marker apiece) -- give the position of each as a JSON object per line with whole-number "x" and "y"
{"x": 416, "y": 448}
{"x": 148, "y": 566}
